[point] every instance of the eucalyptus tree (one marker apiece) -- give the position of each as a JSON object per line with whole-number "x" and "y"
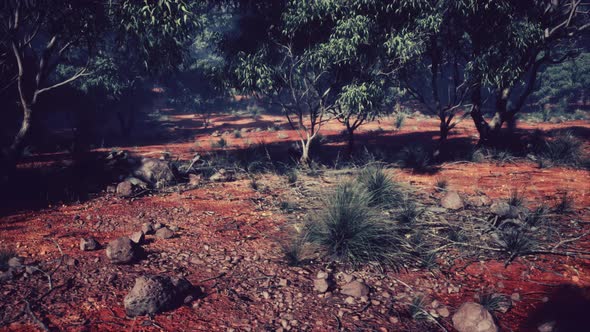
{"x": 510, "y": 42}
{"x": 45, "y": 46}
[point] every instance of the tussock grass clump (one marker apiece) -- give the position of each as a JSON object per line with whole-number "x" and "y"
{"x": 417, "y": 158}
{"x": 295, "y": 251}
{"x": 417, "y": 309}
{"x": 495, "y": 302}
{"x": 349, "y": 230}
{"x": 382, "y": 189}
{"x": 564, "y": 149}
{"x": 409, "y": 212}
{"x": 565, "y": 204}
{"x": 516, "y": 199}
{"x": 516, "y": 242}
{"x": 5, "y": 255}
{"x": 536, "y": 217}
{"x": 441, "y": 184}
{"x": 292, "y": 176}
{"x": 221, "y": 143}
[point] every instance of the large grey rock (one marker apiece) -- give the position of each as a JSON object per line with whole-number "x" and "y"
{"x": 147, "y": 228}
{"x": 137, "y": 237}
{"x": 473, "y": 317}
{"x": 16, "y": 261}
{"x": 451, "y": 200}
{"x": 89, "y": 244}
{"x": 501, "y": 209}
{"x": 154, "y": 294}
{"x": 125, "y": 189}
{"x": 122, "y": 251}
{"x": 164, "y": 233}
{"x": 321, "y": 285}
{"x": 158, "y": 173}
{"x": 355, "y": 289}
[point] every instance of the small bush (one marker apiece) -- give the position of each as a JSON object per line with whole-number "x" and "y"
{"x": 221, "y": 143}
{"x": 5, "y": 255}
{"x": 383, "y": 191}
{"x": 287, "y": 206}
{"x": 295, "y": 251}
{"x": 536, "y": 217}
{"x": 495, "y": 302}
{"x": 350, "y": 231}
{"x": 516, "y": 242}
{"x": 416, "y": 157}
{"x": 399, "y": 121}
{"x": 564, "y": 149}
{"x": 565, "y": 204}
{"x": 237, "y": 133}
{"x": 441, "y": 184}
{"x": 254, "y": 184}
{"x": 409, "y": 212}
{"x": 292, "y": 176}
{"x": 516, "y": 199}
{"x": 417, "y": 309}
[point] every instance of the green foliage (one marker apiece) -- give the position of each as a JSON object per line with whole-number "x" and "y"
{"x": 384, "y": 192}
{"x": 564, "y": 82}
{"x": 350, "y": 231}
{"x": 416, "y": 157}
{"x": 563, "y": 149}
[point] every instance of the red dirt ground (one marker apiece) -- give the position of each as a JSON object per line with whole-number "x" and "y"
{"x": 229, "y": 245}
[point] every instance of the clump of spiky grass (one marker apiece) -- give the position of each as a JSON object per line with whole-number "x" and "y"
{"x": 292, "y": 176}
{"x": 495, "y": 302}
{"x": 416, "y": 157}
{"x": 536, "y": 217}
{"x": 417, "y": 309}
{"x": 409, "y": 212}
{"x": 383, "y": 191}
{"x": 516, "y": 199}
{"x": 516, "y": 242}
{"x": 565, "y": 204}
{"x": 295, "y": 251}
{"x": 349, "y": 230}
{"x": 5, "y": 255}
{"x": 441, "y": 184}
{"x": 564, "y": 149}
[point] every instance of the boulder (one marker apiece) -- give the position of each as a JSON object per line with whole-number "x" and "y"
{"x": 479, "y": 201}
{"x": 137, "y": 237}
{"x": 89, "y": 244}
{"x": 194, "y": 179}
{"x": 321, "y": 285}
{"x": 147, "y": 228}
{"x": 16, "y": 261}
{"x": 125, "y": 189}
{"x": 164, "y": 233}
{"x": 155, "y": 294}
{"x": 451, "y": 200}
{"x": 122, "y": 251}
{"x": 158, "y": 173}
{"x": 355, "y": 289}
{"x": 222, "y": 176}
{"x": 473, "y": 317}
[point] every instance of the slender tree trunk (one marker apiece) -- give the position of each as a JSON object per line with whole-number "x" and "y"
{"x": 350, "y": 147}
{"x": 305, "y": 145}
{"x": 476, "y": 114}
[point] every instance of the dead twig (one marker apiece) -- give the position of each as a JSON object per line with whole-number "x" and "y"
{"x": 34, "y": 318}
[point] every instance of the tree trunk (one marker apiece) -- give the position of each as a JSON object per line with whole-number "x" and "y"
{"x": 304, "y": 160}
{"x": 476, "y": 114}
{"x": 350, "y": 147}
{"x": 15, "y": 151}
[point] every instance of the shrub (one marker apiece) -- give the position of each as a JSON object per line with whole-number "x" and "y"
{"x": 350, "y": 231}
{"x": 237, "y": 133}
{"x": 565, "y": 204}
{"x": 221, "y": 143}
{"x": 292, "y": 176}
{"x": 295, "y": 251}
{"x": 400, "y": 119}
{"x": 536, "y": 217}
{"x": 5, "y": 255}
{"x": 515, "y": 242}
{"x": 417, "y": 309}
{"x": 409, "y": 212}
{"x": 254, "y": 184}
{"x": 441, "y": 184}
{"x": 516, "y": 199}
{"x": 383, "y": 191}
{"x": 495, "y": 302}
{"x": 564, "y": 149}
{"x": 416, "y": 157}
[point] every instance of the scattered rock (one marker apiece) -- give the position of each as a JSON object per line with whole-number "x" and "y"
{"x": 222, "y": 176}
{"x": 321, "y": 285}
{"x": 157, "y": 226}
{"x": 547, "y": 327}
{"x": 16, "y": 261}
{"x": 473, "y": 317}
{"x": 479, "y": 201}
{"x": 158, "y": 173}
{"x": 355, "y": 289}
{"x": 147, "y": 228}
{"x": 322, "y": 275}
{"x": 174, "y": 228}
{"x": 137, "y": 237}
{"x": 451, "y": 200}
{"x": 443, "y": 311}
{"x": 164, "y": 233}
{"x": 515, "y": 297}
{"x": 89, "y": 244}
{"x": 154, "y": 294}
{"x": 194, "y": 179}
{"x": 122, "y": 251}
{"x": 125, "y": 189}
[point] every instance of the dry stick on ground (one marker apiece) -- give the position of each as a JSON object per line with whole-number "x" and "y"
{"x": 34, "y": 318}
